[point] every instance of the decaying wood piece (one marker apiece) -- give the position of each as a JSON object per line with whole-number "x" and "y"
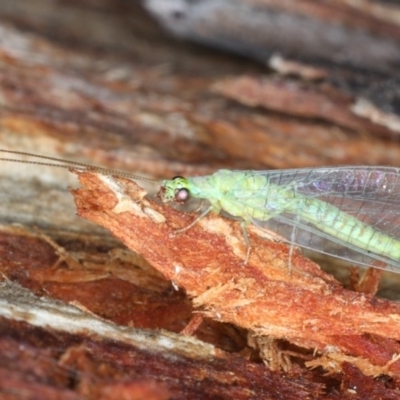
{"x": 351, "y": 47}
{"x": 51, "y": 350}
{"x": 304, "y": 306}
{"x": 363, "y": 34}
{"x": 158, "y": 107}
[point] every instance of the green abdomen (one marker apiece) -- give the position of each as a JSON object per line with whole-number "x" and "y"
{"x": 347, "y": 228}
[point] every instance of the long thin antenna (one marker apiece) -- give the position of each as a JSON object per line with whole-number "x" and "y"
{"x": 67, "y": 164}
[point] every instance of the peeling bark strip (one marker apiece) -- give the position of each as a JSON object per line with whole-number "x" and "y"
{"x": 306, "y": 307}
{"x": 292, "y": 98}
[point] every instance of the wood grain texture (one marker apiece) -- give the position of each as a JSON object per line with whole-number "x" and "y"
{"x": 102, "y": 82}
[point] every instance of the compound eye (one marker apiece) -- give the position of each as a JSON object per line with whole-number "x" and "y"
{"x": 182, "y": 195}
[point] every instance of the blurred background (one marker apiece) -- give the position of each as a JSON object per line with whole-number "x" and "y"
{"x": 177, "y": 87}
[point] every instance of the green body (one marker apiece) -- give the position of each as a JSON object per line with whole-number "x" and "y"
{"x": 251, "y": 196}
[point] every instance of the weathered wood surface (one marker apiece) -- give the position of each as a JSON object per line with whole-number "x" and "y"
{"x": 101, "y": 82}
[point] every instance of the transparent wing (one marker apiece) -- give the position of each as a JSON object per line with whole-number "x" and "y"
{"x": 371, "y": 194}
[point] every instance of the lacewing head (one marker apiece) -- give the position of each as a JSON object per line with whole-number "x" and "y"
{"x": 176, "y": 190}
